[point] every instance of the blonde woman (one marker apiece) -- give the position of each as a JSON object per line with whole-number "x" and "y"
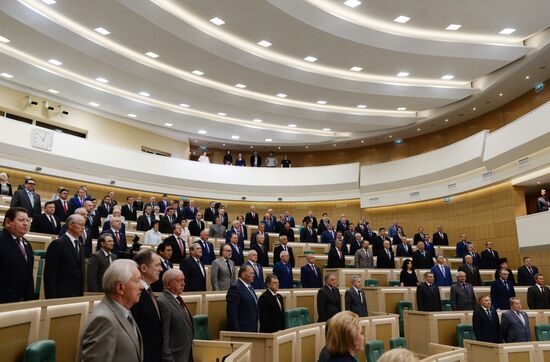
{"x": 345, "y": 337}
{"x": 398, "y": 355}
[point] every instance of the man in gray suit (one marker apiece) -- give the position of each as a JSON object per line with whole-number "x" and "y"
{"x": 515, "y": 323}
{"x": 177, "y": 322}
{"x": 217, "y": 230}
{"x": 355, "y": 298}
{"x": 462, "y": 293}
{"x": 111, "y": 334}
{"x": 363, "y": 256}
{"x": 223, "y": 272}
{"x": 99, "y": 261}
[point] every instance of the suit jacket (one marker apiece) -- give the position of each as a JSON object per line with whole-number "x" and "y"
{"x": 143, "y": 223}
{"x": 438, "y": 240}
{"x": 195, "y": 280}
{"x": 109, "y": 336}
{"x": 209, "y": 214}
{"x": 263, "y": 256}
{"x": 158, "y": 286}
{"x": 220, "y": 276}
{"x": 242, "y": 308}
{"x": 328, "y": 303}
{"x": 334, "y": 261}
{"x": 60, "y": 211}
{"x": 188, "y": 213}
{"x": 277, "y": 255}
{"x": 269, "y": 225}
{"x": 237, "y": 254}
{"x": 121, "y": 245}
{"x": 500, "y": 295}
{"x": 128, "y": 214}
{"x": 177, "y": 255}
{"x": 461, "y": 249}
{"x": 428, "y": 298}
{"x": 475, "y": 257}
{"x": 309, "y": 279}
{"x": 542, "y": 204}
{"x": 322, "y": 227}
{"x": 342, "y": 226}
{"x": 289, "y": 234}
{"x": 378, "y": 244}
{"x": 104, "y": 209}
{"x": 21, "y": 199}
{"x": 418, "y": 237}
{"x": 225, "y": 220}
{"x": 165, "y": 226}
{"x": 177, "y": 329}
{"x": 272, "y": 313}
{"x": 354, "y": 246}
{"x": 74, "y": 203}
{"x": 195, "y": 227}
{"x": 472, "y": 275}
{"x": 442, "y": 280}
{"x": 98, "y": 263}
{"x": 163, "y": 205}
{"x": 232, "y": 231}
{"x": 400, "y": 250}
{"x": 512, "y": 329}
{"x": 251, "y": 220}
{"x": 217, "y": 231}
{"x": 362, "y": 260}
{"x": 422, "y": 261}
{"x": 328, "y": 237}
{"x": 42, "y": 224}
{"x": 537, "y": 299}
{"x": 308, "y": 237}
{"x": 259, "y": 282}
{"x": 207, "y": 256}
{"x": 356, "y": 304}
{"x": 313, "y": 220}
{"x": 64, "y": 269}
{"x": 16, "y": 271}
{"x": 463, "y": 298}
{"x": 253, "y": 240}
{"x": 258, "y": 161}
{"x": 149, "y": 323}
{"x": 384, "y": 261}
{"x": 525, "y": 277}
{"x": 489, "y": 261}
{"x": 485, "y": 329}
{"x": 284, "y": 273}
{"x": 138, "y": 205}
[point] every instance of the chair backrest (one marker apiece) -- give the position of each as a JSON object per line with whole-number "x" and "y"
{"x": 304, "y": 313}
{"x": 372, "y": 283}
{"x": 200, "y": 324}
{"x": 464, "y": 331}
{"x": 394, "y": 283}
{"x": 402, "y": 306}
{"x": 542, "y": 332}
{"x": 374, "y": 349}
{"x": 39, "y": 273}
{"x": 446, "y": 305}
{"x": 293, "y": 318}
{"x": 40, "y": 351}
{"x": 296, "y": 284}
{"x": 398, "y": 342}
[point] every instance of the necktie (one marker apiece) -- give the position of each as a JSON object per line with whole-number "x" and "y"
{"x": 541, "y": 290}
{"x": 405, "y": 247}
{"x": 180, "y": 243}
{"x": 360, "y": 297}
{"x": 109, "y": 257}
{"x": 154, "y": 300}
{"x": 229, "y": 267}
{"x": 131, "y": 321}
{"x": 255, "y": 267}
{"x": 53, "y": 221}
{"x": 200, "y": 267}
{"x": 76, "y": 247}
{"x": 464, "y": 287}
{"x": 130, "y": 208}
{"x": 65, "y": 206}
{"x": 254, "y": 294}
{"x": 530, "y": 271}
{"x": 185, "y": 311}
{"x": 442, "y": 270}
{"x": 314, "y": 270}
{"x": 278, "y": 301}
{"x": 506, "y": 285}
{"x": 489, "y": 314}
{"x": 237, "y": 250}
{"x": 339, "y": 254}
{"x": 206, "y": 247}
{"x": 22, "y": 248}
{"x": 84, "y": 235}
{"x": 117, "y": 237}
{"x": 423, "y": 254}
{"x": 520, "y": 316}
{"x": 388, "y": 253}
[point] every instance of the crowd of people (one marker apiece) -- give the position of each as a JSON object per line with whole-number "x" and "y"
{"x": 255, "y": 160}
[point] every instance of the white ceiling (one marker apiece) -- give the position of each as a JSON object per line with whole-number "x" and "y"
{"x": 484, "y": 64}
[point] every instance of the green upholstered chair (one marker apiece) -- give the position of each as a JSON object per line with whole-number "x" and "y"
{"x": 200, "y": 324}
{"x": 374, "y": 349}
{"x": 304, "y": 313}
{"x": 464, "y": 331}
{"x": 308, "y": 252}
{"x": 542, "y": 332}
{"x": 372, "y": 283}
{"x": 296, "y": 284}
{"x": 39, "y": 273}
{"x": 40, "y": 351}
{"x": 394, "y": 283}
{"x": 398, "y": 342}
{"x": 446, "y": 305}
{"x": 486, "y": 283}
{"x": 402, "y": 306}
{"x": 293, "y": 318}
{"x": 40, "y": 253}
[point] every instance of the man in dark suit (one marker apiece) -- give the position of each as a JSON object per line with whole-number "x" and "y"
{"x": 476, "y": 258}
{"x": 62, "y": 209}
{"x": 355, "y": 298}
{"x": 177, "y": 322}
{"x": 428, "y": 298}
{"x": 312, "y": 218}
{"x": 261, "y": 231}
{"x": 489, "y": 258}
{"x": 106, "y": 207}
{"x": 472, "y": 272}
{"x": 16, "y": 258}
{"x": 283, "y": 270}
{"x": 356, "y": 243}
{"x": 165, "y": 252}
{"x": 236, "y": 251}
{"x": 419, "y": 236}
{"x": 77, "y": 200}
{"x": 196, "y": 226}
{"x": 64, "y": 267}
{"x": 462, "y": 246}
{"x": 87, "y": 233}
{"x": 261, "y": 250}
{"x": 538, "y": 296}
{"x": 286, "y": 230}
{"x": 543, "y": 203}
{"x": 361, "y": 228}
{"x": 255, "y": 160}
{"x": 328, "y": 299}
{"x": 208, "y": 255}
{"x": 27, "y": 199}
{"x": 210, "y": 213}
{"x": 485, "y": 322}
{"x": 269, "y": 224}
{"x": 283, "y": 241}
{"x": 526, "y": 272}
{"x": 144, "y": 221}
{"x": 164, "y": 203}
{"x": 119, "y": 235}
{"x": 138, "y": 204}
{"x": 129, "y": 211}
{"x": 386, "y": 259}
{"x": 370, "y": 235}
{"x": 258, "y": 282}
{"x": 442, "y": 273}
{"x": 336, "y": 256}
{"x": 323, "y": 224}
{"x": 98, "y": 263}
{"x": 152, "y": 202}
{"x": 515, "y": 323}
{"x": 168, "y": 220}
{"x": 440, "y": 238}
{"x": 501, "y": 291}
{"x": 421, "y": 258}
{"x": 404, "y": 249}
{"x": 190, "y": 211}
{"x": 146, "y": 312}
{"x": 46, "y": 223}
{"x": 308, "y": 234}
{"x": 379, "y": 242}
{"x": 222, "y": 214}
{"x": 251, "y": 217}
{"x": 271, "y": 307}
{"x": 310, "y": 274}
{"x": 462, "y": 293}
{"x": 328, "y": 235}
{"x": 177, "y": 243}
{"x": 235, "y": 230}
{"x": 242, "y": 303}
{"x": 193, "y": 269}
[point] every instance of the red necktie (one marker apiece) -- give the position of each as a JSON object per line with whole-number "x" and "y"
{"x": 180, "y": 242}
{"x": 65, "y": 206}
{"x": 185, "y": 311}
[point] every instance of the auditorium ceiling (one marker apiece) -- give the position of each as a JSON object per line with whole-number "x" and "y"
{"x": 289, "y": 73}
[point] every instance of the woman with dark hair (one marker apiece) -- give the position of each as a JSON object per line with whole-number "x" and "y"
{"x": 408, "y": 278}
{"x": 228, "y": 159}
{"x": 153, "y": 236}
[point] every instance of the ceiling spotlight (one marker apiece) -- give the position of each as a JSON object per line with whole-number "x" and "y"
{"x": 132, "y": 115}
{"x": 352, "y": 3}
{"x": 201, "y": 131}
{"x": 235, "y": 137}
{"x": 402, "y": 19}
{"x": 361, "y": 106}
{"x": 402, "y": 108}
{"x": 94, "y": 104}
{"x": 168, "y": 124}
{"x": 390, "y": 136}
{"x": 326, "y": 129}
{"x": 446, "y": 120}
{"x": 217, "y": 21}
{"x": 418, "y": 129}
{"x": 334, "y": 145}
{"x": 53, "y": 91}
{"x": 310, "y": 59}
{"x": 473, "y": 109}
{"x": 55, "y": 62}
{"x": 152, "y": 55}
{"x": 184, "y": 105}
{"x": 526, "y": 77}
{"x": 507, "y": 31}
{"x": 197, "y": 72}
{"x": 257, "y": 120}
{"x": 264, "y": 43}
{"x": 307, "y": 147}
{"x": 268, "y": 140}
{"x": 222, "y": 114}
{"x": 403, "y": 74}
{"x": 49, "y": 2}
{"x": 500, "y": 95}
{"x": 447, "y": 77}
{"x": 279, "y": 147}
{"x": 239, "y": 85}
{"x": 362, "y": 141}
{"x": 292, "y": 125}
{"x": 453, "y": 27}
{"x": 102, "y": 80}
{"x": 356, "y": 69}
{"x": 102, "y": 31}
{"x": 321, "y": 102}
{"x": 281, "y": 95}
{"x": 144, "y": 94}
{"x": 4, "y": 40}
{"x": 6, "y": 75}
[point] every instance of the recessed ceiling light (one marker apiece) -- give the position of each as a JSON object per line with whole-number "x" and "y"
{"x": 144, "y": 94}
{"x": 362, "y": 141}
{"x": 453, "y": 27}
{"x": 264, "y": 43}
{"x": 55, "y": 62}
{"x": 507, "y": 31}
{"x": 390, "y": 136}
{"x": 94, "y": 104}
{"x": 402, "y": 19}
{"x": 268, "y": 140}
{"x": 201, "y": 131}
{"x": 195, "y": 142}
{"x": 102, "y": 31}
{"x": 279, "y": 147}
{"x": 292, "y": 125}
{"x": 281, "y": 95}
{"x": 223, "y": 144}
{"x": 53, "y": 91}
{"x": 49, "y": 2}
{"x": 334, "y": 145}
{"x": 6, "y": 75}
{"x": 239, "y": 85}
{"x": 446, "y": 120}
{"x": 538, "y": 182}
{"x": 526, "y": 77}
{"x": 184, "y": 105}
{"x": 361, "y": 106}
{"x": 197, "y": 72}
{"x": 321, "y": 102}
{"x": 152, "y": 55}
{"x": 102, "y": 80}
{"x": 307, "y": 147}
{"x": 217, "y": 21}
{"x": 235, "y": 137}
{"x": 418, "y": 129}
{"x": 473, "y": 109}
{"x": 168, "y": 124}
{"x": 352, "y": 3}
{"x": 326, "y": 129}
{"x": 402, "y": 108}
{"x": 356, "y": 69}
{"x": 403, "y": 74}
{"x": 500, "y": 95}
{"x": 4, "y": 40}
{"x": 257, "y": 120}
{"x": 222, "y": 114}
{"x": 310, "y": 59}
{"x": 447, "y": 77}
{"x": 132, "y": 115}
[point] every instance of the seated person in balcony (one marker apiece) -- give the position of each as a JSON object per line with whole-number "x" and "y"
{"x": 398, "y": 237}
{"x": 285, "y": 162}
{"x": 503, "y": 264}
{"x": 543, "y": 203}
{"x": 153, "y": 236}
{"x": 422, "y": 259}
{"x": 144, "y": 222}
{"x": 99, "y": 261}
{"x": 217, "y": 230}
{"x": 283, "y": 270}
{"x": 355, "y": 299}
{"x": 386, "y": 260}
{"x": 462, "y": 246}
{"x": 287, "y": 231}
{"x": 46, "y": 223}
{"x": 336, "y": 256}
{"x": 428, "y": 298}
{"x": 442, "y": 273}
{"x": 310, "y": 274}
{"x": 472, "y": 271}
{"x": 271, "y": 307}
{"x": 404, "y": 248}
{"x": 283, "y": 246}
{"x": 489, "y": 258}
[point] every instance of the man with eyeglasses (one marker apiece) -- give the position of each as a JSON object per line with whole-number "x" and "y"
{"x": 27, "y": 198}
